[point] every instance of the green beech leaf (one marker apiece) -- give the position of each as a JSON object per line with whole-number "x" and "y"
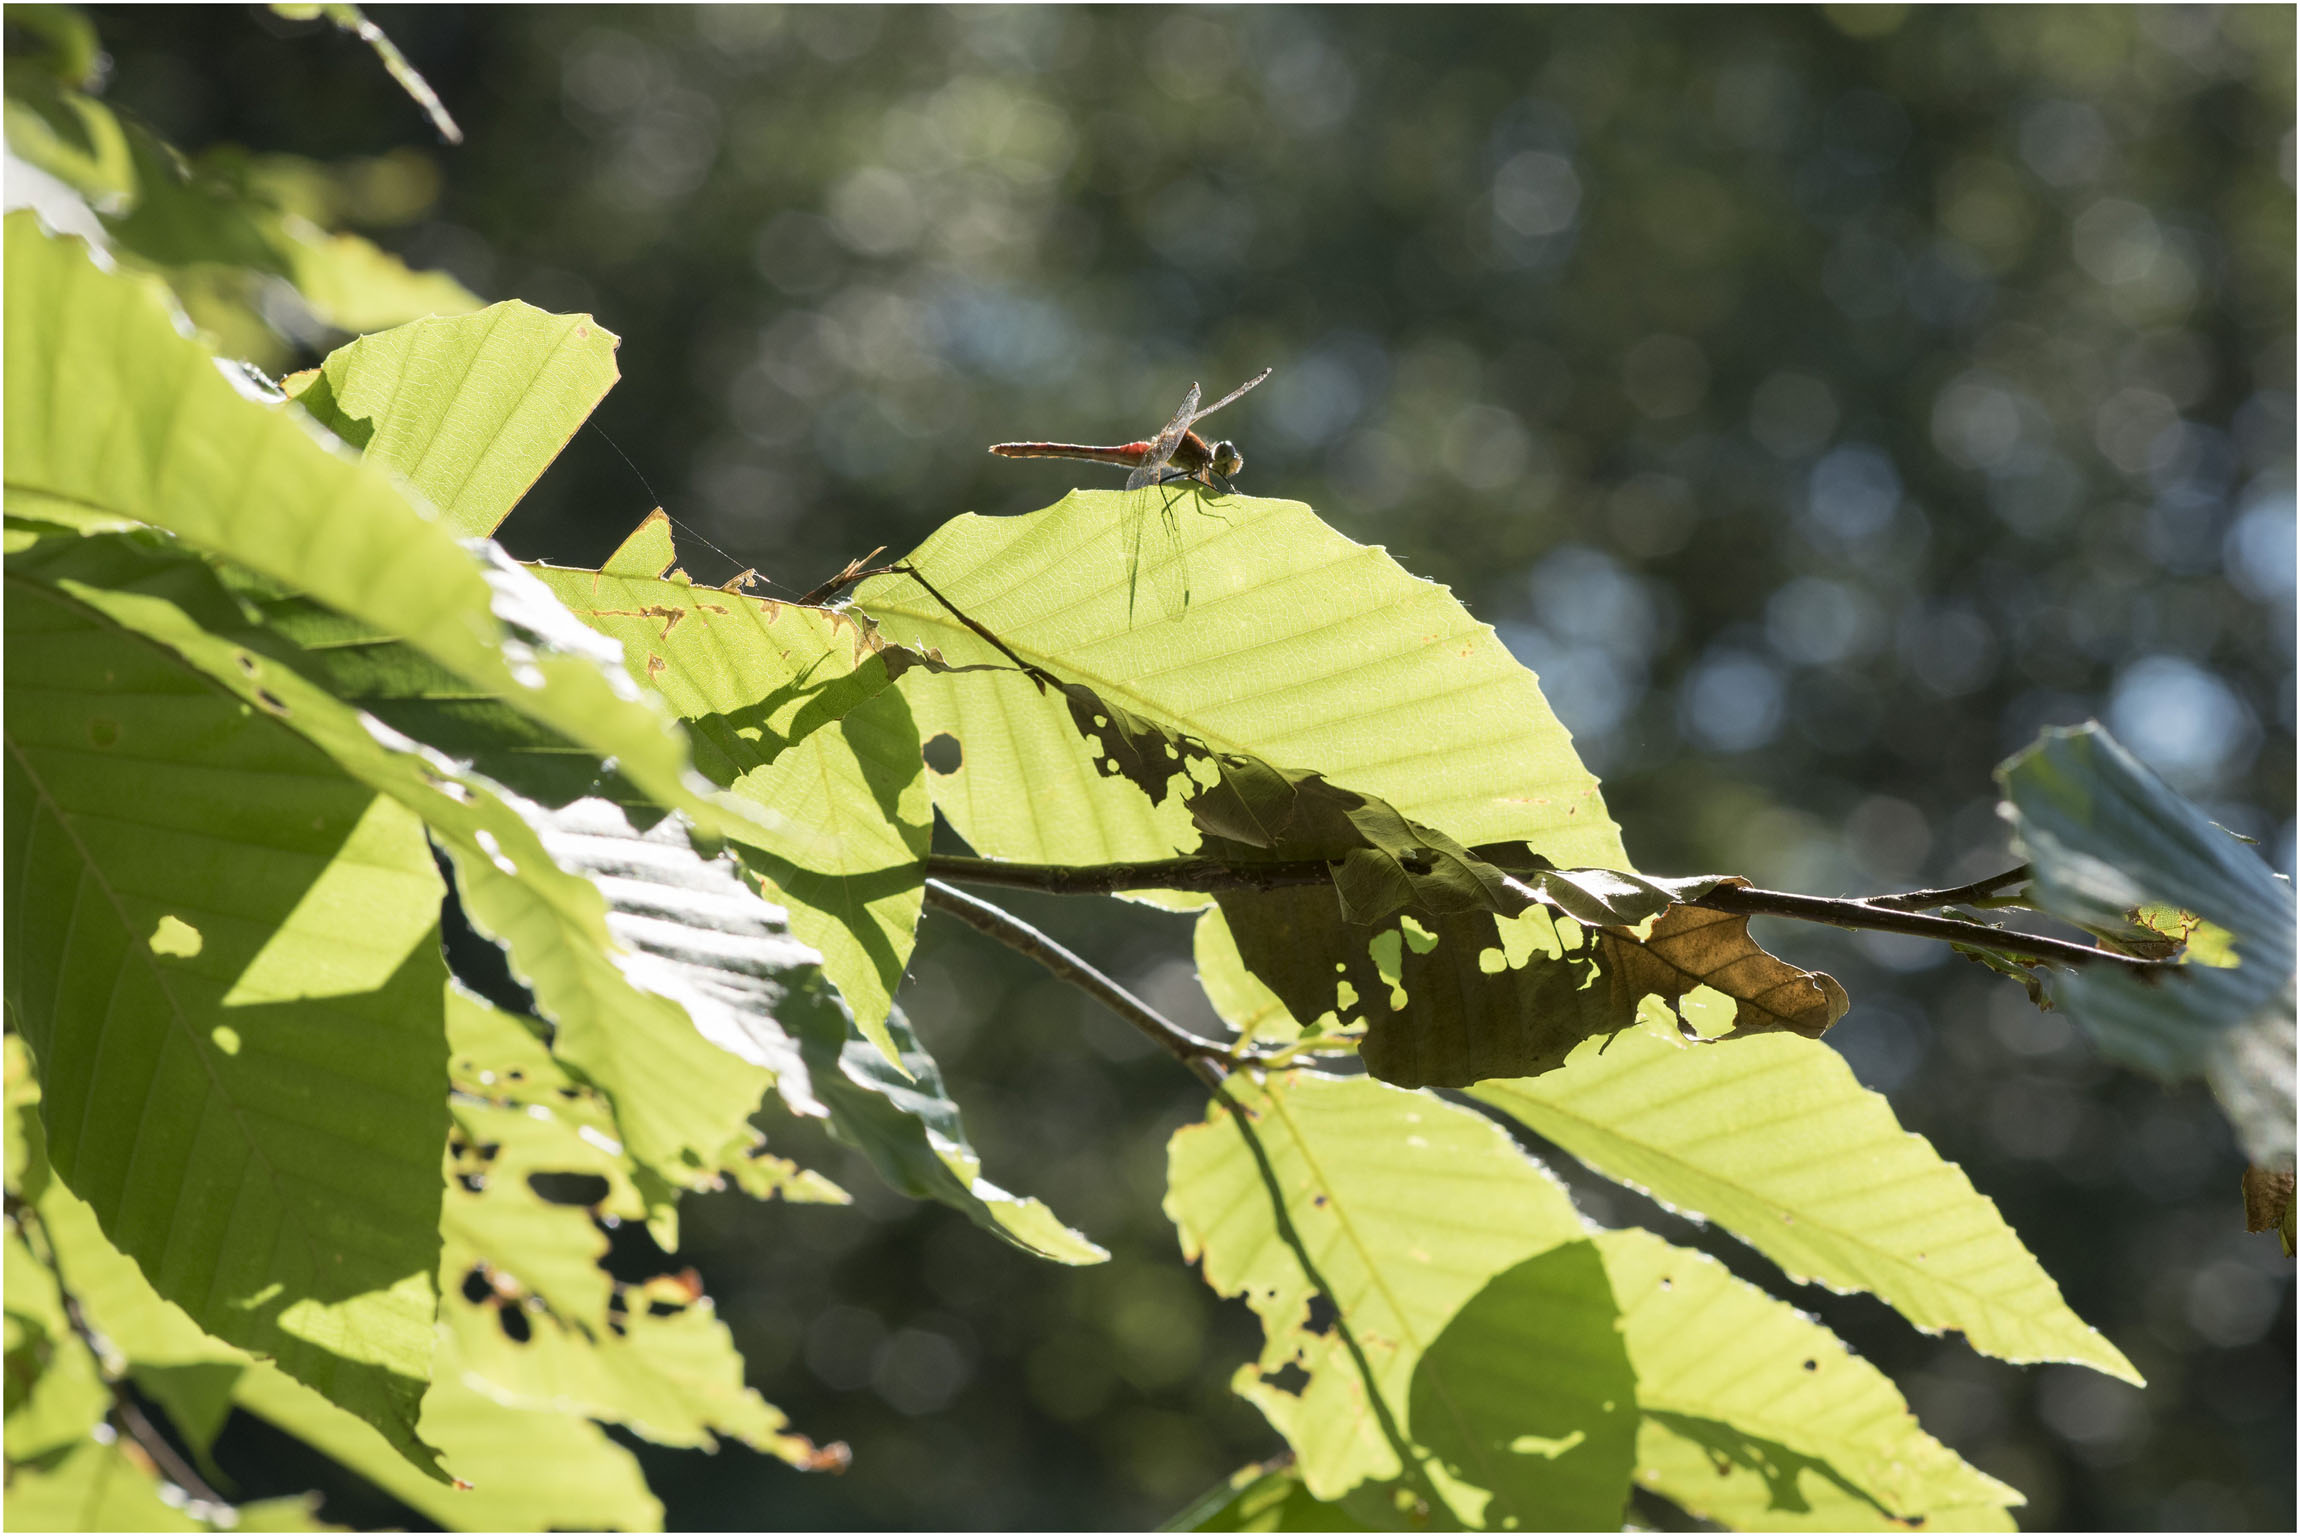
{"x": 55, "y": 1394}
{"x": 468, "y": 410}
{"x": 355, "y": 285}
{"x": 90, "y": 1487}
{"x": 660, "y": 973}
{"x": 1773, "y": 1139}
{"x": 111, "y": 413}
{"x": 265, "y": 924}
{"x": 1759, "y": 1418}
{"x": 1298, "y": 646}
{"x": 791, "y": 709}
{"x": 549, "y": 1328}
{"x": 2108, "y": 840}
{"x": 526, "y": 1471}
{"x": 899, "y": 1116}
{"x": 1432, "y": 1283}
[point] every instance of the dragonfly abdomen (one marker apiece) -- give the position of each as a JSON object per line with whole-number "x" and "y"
{"x": 1125, "y": 453}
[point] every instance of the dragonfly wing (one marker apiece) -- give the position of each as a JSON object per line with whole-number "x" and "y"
{"x": 1162, "y": 446}
{"x": 1232, "y": 395}
{"x": 1154, "y": 556}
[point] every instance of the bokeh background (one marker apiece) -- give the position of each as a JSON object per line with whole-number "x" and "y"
{"x": 1821, "y": 401}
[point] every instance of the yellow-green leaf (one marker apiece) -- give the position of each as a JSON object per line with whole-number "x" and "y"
{"x": 1433, "y": 1314}
{"x": 1297, "y": 645}
{"x": 1773, "y": 1138}
{"x": 1760, "y": 1418}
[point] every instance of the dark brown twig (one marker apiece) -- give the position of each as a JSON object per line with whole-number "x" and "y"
{"x": 1953, "y": 896}
{"x": 1845, "y": 912}
{"x": 1216, "y": 875}
{"x": 1152, "y": 875}
{"x": 1036, "y": 674}
{"x": 1208, "y": 1058}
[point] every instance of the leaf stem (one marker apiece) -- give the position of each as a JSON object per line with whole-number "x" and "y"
{"x": 1838, "y": 911}
{"x": 1207, "y": 1058}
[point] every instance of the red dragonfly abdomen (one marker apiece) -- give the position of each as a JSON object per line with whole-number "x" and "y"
{"x": 1128, "y": 454}
{"x": 1190, "y": 454}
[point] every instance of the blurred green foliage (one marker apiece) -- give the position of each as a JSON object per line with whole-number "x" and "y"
{"x": 1819, "y": 400}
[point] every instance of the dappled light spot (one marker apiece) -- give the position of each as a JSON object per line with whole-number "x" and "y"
{"x": 173, "y": 936}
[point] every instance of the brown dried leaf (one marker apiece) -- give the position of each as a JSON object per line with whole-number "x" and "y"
{"x": 1691, "y": 947}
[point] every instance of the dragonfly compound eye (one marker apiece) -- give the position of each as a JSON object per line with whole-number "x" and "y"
{"x": 1227, "y": 459}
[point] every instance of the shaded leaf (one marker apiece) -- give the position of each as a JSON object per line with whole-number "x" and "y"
{"x": 1431, "y": 1284}
{"x": 2107, "y": 840}
{"x": 1758, "y": 1417}
{"x": 261, "y": 939}
{"x": 1456, "y": 998}
{"x": 1691, "y": 947}
{"x": 1774, "y": 1139}
{"x": 790, "y": 708}
{"x": 904, "y": 1120}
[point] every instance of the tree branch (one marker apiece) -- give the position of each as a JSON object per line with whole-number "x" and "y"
{"x": 1207, "y": 1058}
{"x": 1848, "y": 912}
{"x": 1955, "y": 895}
{"x": 1872, "y": 915}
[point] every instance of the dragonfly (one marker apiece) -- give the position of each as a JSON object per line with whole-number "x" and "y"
{"x": 1176, "y": 454}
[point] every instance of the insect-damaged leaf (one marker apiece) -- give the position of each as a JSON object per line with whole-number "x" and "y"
{"x": 1451, "y": 999}
{"x": 1450, "y": 957}
{"x": 1298, "y": 646}
{"x": 790, "y": 709}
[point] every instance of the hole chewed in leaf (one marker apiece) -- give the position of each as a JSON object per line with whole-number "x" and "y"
{"x": 943, "y": 754}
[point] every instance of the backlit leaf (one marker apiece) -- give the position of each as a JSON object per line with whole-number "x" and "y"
{"x": 1433, "y": 1313}
{"x": 791, "y": 709}
{"x": 1758, "y": 1417}
{"x": 1773, "y": 1139}
{"x": 233, "y": 1003}
{"x": 1346, "y": 654}
{"x": 2108, "y": 838}
{"x": 467, "y": 410}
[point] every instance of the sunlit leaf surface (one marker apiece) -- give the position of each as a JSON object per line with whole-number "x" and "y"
{"x": 236, "y": 1018}
{"x": 1433, "y": 1313}
{"x": 1775, "y": 1140}
{"x": 1298, "y": 646}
